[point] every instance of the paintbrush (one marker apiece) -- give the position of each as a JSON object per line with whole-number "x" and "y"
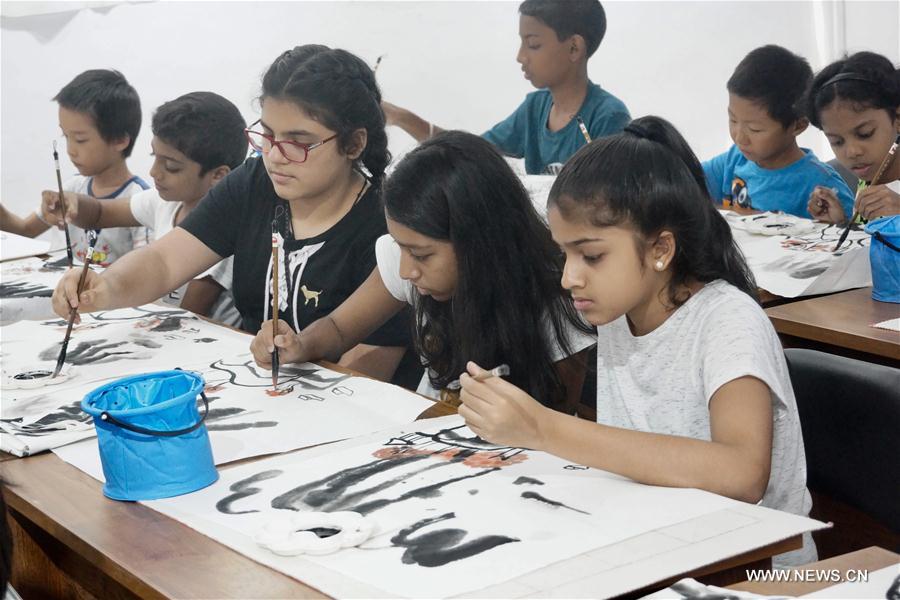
{"x": 62, "y": 204}
{"x": 495, "y": 372}
{"x": 888, "y": 158}
{"x": 92, "y": 240}
{"x": 583, "y": 128}
{"x": 274, "y": 310}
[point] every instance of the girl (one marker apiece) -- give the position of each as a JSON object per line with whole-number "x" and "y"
{"x": 856, "y": 103}
{"x": 469, "y": 252}
{"x": 692, "y": 386}
{"x": 324, "y": 151}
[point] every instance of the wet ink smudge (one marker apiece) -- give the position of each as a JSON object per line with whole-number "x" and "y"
{"x": 24, "y": 289}
{"x": 32, "y": 375}
{"x": 554, "y": 503}
{"x": 243, "y": 489}
{"x": 92, "y": 352}
{"x": 442, "y": 546}
{"x": 523, "y": 480}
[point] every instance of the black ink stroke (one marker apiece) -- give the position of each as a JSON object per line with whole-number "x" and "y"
{"x": 243, "y": 489}
{"x": 442, "y": 546}
{"x": 24, "y": 289}
{"x": 554, "y": 503}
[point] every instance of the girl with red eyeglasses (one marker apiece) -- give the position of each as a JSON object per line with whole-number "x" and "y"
{"x": 314, "y": 188}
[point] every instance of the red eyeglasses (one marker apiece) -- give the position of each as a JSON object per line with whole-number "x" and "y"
{"x": 295, "y": 152}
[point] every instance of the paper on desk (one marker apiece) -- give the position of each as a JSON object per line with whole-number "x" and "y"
{"x": 883, "y": 583}
{"x": 803, "y": 264}
{"x": 890, "y": 325}
{"x": 691, "y": 588}
{"x": 14, "y": 246}
{"x": 456, "y": 514}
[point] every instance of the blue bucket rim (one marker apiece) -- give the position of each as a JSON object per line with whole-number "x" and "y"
{"x": 196, "y": 388}
{"x": 879, "y": 223}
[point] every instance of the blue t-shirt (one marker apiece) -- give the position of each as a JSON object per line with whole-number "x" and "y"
{"x": 524, "y": 133}
{"x": 731, "y": 176}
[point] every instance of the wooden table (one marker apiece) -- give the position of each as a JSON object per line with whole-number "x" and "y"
{"x": 841, "y": 324}
{"x": 871, "y": 559}
{"x": 71, "y": 541}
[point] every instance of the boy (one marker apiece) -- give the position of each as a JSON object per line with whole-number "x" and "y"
{"x": 198, "y": 139}
{"x": 765, "y": 169}
{"x": 100, "y": 117}
{"x": 558, "y": 38}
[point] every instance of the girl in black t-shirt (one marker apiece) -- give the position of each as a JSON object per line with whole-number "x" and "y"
{"x": 315, "y": 186}
{"x": 476, "y": 262}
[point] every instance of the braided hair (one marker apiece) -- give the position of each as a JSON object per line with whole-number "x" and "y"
{"x": 339, "y": 90}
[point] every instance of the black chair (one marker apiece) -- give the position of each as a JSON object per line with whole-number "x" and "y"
{"x": 850, "y": 417}
{"x": 845, "y": 173}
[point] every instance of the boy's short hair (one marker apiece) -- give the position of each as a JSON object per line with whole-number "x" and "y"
{"x": 569, "y": 17}
{"x": 107, "y": 97}
{"x": 775, "y": 78}
{"x": 205, "y": 127}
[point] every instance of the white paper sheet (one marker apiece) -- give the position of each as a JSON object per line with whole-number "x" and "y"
{"x": 14, "y": 246}
{"x": 890, "y": 324}
{"x": 803, "y": 264}
{"x": 454, "y": 514}
{"x": 111, "y": 344}
{"x": 883, "y": 583}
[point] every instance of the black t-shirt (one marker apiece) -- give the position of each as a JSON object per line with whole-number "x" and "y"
{"x": 235, "y": 218}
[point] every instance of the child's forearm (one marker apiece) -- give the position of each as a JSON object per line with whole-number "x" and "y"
{"x": 655, "y": 459}
{"x": 416, "y": 126}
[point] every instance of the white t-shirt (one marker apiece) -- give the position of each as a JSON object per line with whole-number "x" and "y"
{"x": 387, "y": 253}
{"x": 159, "y": 215}
{"x": 113, "y": 243}
{"x": 662, "y": 382}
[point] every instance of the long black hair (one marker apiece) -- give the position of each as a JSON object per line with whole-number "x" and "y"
{"x": 647, "y": 177}
{"x": 339, "y": 90}
{"x": 456, "y": 187}
{"x": 866, "y": 79}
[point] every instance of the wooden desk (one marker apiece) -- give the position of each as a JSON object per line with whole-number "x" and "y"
{"x": 871, "y": 559}
{"x": 840, "y": 323}
{"x": 71, "y": 541}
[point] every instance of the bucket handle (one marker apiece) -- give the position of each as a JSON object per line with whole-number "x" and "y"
{"x": 105, "y": 416}
{"x": 884, "y": 241}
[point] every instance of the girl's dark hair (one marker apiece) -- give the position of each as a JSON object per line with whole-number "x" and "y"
{"x": 647, "y": 177}
{"x": 866, "y": 79}
{"x": 339, "y": 90}
{"x": 456, "y": 187}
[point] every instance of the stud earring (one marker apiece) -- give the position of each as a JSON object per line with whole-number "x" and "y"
{"x": 659, "y": 265}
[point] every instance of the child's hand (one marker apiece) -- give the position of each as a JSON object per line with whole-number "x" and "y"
{"x": 51, "y": 210}
{"x": 94, "y": 294}
{"x": 290, "y": 347}
{"x": 877, "y": 201}
{"x": 499, "y": 412}
{"x": 824, "y": 206}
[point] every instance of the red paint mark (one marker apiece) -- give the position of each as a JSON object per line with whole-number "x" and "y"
{"x": 278, "y": 392}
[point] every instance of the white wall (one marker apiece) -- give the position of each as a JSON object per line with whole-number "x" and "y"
{"x": 453, "y": 62}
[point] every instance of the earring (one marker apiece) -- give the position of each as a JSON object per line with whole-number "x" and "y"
{"x": 660, "y": 265}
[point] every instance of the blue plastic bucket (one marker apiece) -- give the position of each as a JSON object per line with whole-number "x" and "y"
{"x": 884, "y": 255}
{"x": 153, "y": 443}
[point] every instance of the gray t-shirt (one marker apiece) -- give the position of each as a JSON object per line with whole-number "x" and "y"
{"x": 662, "y": 383}
{"x": 387, "y": 253}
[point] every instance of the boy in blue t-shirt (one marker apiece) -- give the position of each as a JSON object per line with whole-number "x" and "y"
{"x": 765, "y": 169}
{"x": 558, "y": 38}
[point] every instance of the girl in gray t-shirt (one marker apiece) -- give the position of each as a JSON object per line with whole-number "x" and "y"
{"x": 692, "y": 385}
